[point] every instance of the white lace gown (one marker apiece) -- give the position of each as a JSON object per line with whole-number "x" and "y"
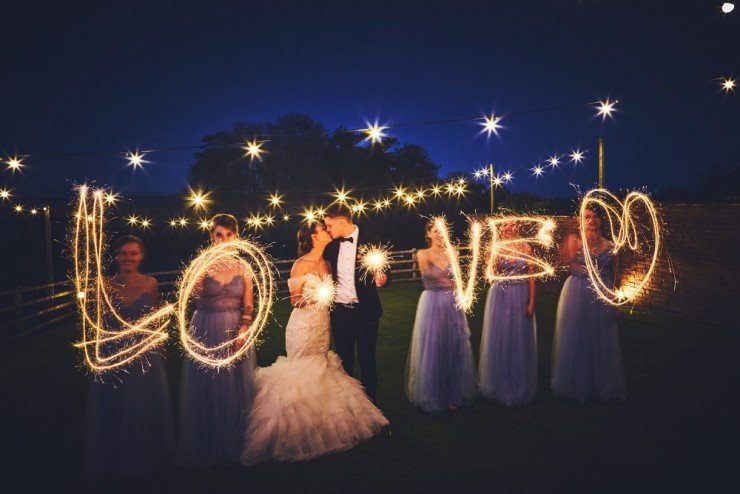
{"x": 306, "y": 405}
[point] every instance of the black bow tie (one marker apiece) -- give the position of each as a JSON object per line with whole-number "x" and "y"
{"x": 346, "y": 239}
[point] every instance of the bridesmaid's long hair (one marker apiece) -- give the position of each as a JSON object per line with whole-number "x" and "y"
{"x": 303, "y": 238}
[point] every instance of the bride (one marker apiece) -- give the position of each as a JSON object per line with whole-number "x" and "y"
{"x": 306, "y": 405}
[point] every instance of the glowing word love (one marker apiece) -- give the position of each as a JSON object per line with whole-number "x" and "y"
{"x": 464, "y": 288}
{"x": 108, "y": 340}
{"x": 626, "y": 233}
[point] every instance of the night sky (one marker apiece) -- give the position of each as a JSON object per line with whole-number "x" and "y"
{"x": 113, "y": 76}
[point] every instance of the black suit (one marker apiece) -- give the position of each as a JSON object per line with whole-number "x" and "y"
{"x": 358, "y": 325}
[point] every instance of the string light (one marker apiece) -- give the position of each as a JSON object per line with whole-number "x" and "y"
{"x": 511, "y": 248}
{"x": 132, "y": 219}
{"x": 507, "y": 177}
{"x": 275, "y": 200}
{"x": 436, "y": 190}
{"x": 136, "y": 160}
{"x": 491, "y": 125}
{"x": 341, "y": 196}
{"x": 464, "y": 289}
{"x": 204, "y": 224}
{"x": 310, "y": 216}
{"x": 18, "y": 208}
{"x": 5, "y": 194}
{"x": 577, "y": 156}
{"x": 254, "y": 150}
{"x": 728, "y": 7}
{"x": 554, "y": 161}
{"x": 145, "y": 223}
{"x": 258, "y": 269}
{"x": 111, "y": 198}
{"x": 399, "y": 192}
{"x": 537, "y": 171}
{"x": 34, "y": 211}
{"x": 606, "y": 108}
{"x": 286, "y": 218}
{"x": 374, "y": 133}
{"x": 198, "y": 199}
{"x": 728, "y": 85}
{"x": 173, "y": 223}
{"x": 129, "y": 340}
{"x": 319, "y": 291}
{"x": 182, "y": 221}
{"x": 14, "y": 164}
{"x": 624, "y": 231}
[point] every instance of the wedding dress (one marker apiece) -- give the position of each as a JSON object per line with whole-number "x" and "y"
{"x": 306, "y": 405}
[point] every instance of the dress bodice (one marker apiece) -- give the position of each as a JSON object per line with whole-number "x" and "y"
{"x": 511, "y": 267}
{"x": 603, "y": 263}
{"x": 136, "y": 309}
{"x": 436, "y": 278}
{"x": 217, "y": 296}
{"x": 307, "y": 331}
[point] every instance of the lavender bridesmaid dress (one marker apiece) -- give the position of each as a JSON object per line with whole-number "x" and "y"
{"x": 129, "y": 415}
{"x": 214, "y": 403}
{"x": 507, "y": 371}
{"x": 439, "y": 371}
{"x": 587, "y": 363}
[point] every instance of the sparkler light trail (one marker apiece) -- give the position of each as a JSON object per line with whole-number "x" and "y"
{"x": 258, "y": 268}
{"x": 106, "y": 348}
{"x": 626, "y": 234}
{"x": 505, "y": 248}
{"x": 464, "y": 289}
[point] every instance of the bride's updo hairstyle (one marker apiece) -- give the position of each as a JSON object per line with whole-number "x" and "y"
{"x": 303, "y": 238}
{"x": 225, "y": 220}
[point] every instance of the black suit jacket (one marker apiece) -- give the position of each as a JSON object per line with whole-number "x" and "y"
{"x": 367, "y": 291}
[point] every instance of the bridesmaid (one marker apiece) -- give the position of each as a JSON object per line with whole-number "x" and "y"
{"x": 587, "y": 364}
{"x": 507, "y": 370}
{"x": 439, "y": 370}
{"x": 129, "y": 416}
{"x": 213, "y": 403}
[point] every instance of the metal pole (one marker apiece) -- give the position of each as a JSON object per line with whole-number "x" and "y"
{"x": 601, "y": 162}
{"x": 490, "y": 176}
{"x": 49, "y": 259}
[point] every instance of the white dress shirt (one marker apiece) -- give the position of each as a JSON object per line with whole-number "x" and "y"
{"x": 346, "y": 291}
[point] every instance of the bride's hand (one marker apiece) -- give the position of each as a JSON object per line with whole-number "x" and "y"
{"x": 241, "y": 340}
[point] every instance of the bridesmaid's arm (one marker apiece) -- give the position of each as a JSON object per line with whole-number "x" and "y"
{"x": 153, "y": 291}
{"x": 247, "y": 306}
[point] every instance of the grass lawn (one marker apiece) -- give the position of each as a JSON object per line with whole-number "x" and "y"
{"x": 676, "y": 431}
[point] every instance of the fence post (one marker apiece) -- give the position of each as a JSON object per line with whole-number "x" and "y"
{"x": 414, "y": 264}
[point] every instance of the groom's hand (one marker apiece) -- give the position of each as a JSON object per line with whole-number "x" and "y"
{"x": 381, "y": 279}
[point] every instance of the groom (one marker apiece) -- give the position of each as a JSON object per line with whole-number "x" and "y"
{"x": 356, "y": 313}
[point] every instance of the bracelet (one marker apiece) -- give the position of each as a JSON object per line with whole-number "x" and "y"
{"x": 247, "y": 317}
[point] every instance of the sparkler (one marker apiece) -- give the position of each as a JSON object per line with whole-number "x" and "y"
{"x": 506, "y": 248}
{"x": 319, "y": 291}
{"x": 625, "y": 233}
{"x": 257, "y": 268}
{"x": 374, "y": 260}
{"x": 131, "y": 340}
{"x": 464, "y": 289}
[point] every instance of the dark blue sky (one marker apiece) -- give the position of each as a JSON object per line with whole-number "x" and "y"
{"x": 108, "y": 76}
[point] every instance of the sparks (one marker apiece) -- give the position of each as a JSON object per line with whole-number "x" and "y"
{"x": 606, "y": 108}
{"x": 511, "y": 249}
{"x": 258, "y": 270}
{"x": 625, "y": 233}
{"x": 464, "y": 290}
{"x": 254, "y": 150}
{"x": 319, "y": 291}
{"x": 106, "y": 348}
{"x": 374, "y": 260}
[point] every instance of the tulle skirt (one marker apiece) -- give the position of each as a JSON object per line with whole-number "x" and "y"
{"x": 440, "y": 370}
{"x": 129, "y": 423}
{"x": 507, "y": 371}
{"x": 213, "y": 402}
{"x": 587, "y": 364}
{"x": 305, "y": 408}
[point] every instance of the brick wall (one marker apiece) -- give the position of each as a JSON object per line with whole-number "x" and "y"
{"x": 698, "y": 273}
